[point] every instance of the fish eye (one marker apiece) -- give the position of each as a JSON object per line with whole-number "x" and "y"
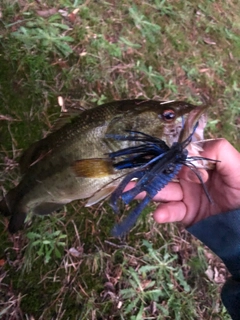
{"x": 168, "y": 115}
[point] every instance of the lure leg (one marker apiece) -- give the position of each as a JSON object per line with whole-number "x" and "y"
{"x": 123, "y": 227}
{"x": 118, "y": 192}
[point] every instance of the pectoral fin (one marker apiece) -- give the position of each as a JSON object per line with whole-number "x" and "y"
{"x": 93, "y": 168}
{"x": 100, "y": 195}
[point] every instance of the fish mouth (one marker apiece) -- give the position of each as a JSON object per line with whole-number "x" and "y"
{"x": 195, "y": 116}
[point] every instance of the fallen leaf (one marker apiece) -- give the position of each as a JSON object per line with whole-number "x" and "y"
{"x": 6, "y": 118}
{"x": 47, "y": 13}
{"x": 209, "y": 41}
{"x": 2, "y": 262}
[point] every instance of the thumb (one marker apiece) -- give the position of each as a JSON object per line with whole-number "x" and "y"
{"x": 229, "y": 158}
{"x": 193, "y": 175}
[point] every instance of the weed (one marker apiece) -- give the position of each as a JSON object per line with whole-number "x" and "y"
{"x": 45, "y": 240}
{"x": 153, "y": 283}
{"x": 148, "y": 29}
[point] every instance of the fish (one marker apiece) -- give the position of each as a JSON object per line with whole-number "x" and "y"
{"x": 156, "y": 164}
{"x": 71, "y": 162}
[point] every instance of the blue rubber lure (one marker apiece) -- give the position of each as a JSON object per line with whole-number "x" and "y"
{"x": 156, "y": 165}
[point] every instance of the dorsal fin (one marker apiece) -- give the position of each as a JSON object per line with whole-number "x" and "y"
{"x": 66, "y": 116}
{"x": 39, "y": 149}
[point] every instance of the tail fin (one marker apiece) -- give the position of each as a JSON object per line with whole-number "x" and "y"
{"x": 9, "y": 206}
{"x": 4, "y": 209}
{"x": 17, "y": 221}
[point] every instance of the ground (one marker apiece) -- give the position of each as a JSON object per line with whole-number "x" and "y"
{"x": 67, "y": 266}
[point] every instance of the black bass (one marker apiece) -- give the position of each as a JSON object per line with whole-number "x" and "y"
{"x": 72, "y": 163}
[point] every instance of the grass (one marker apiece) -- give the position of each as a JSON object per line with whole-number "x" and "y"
{"x": 67, "y": 266}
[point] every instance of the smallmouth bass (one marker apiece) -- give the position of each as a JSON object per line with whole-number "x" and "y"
{"x": 72, "y": 163}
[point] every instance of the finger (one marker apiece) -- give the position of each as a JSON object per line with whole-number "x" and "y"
{"x": 229, "y": 157}
{"x": 222, "y": 151}
{"x": 186, "y": 210}
{"x": 172, "y": 192}
{"x": 170, "y": 212}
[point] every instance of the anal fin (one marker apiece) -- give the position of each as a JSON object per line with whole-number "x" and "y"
{"x": 45, "y": 208}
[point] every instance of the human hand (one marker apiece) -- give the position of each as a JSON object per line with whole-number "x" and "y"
{"x": 186, "y": 200}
